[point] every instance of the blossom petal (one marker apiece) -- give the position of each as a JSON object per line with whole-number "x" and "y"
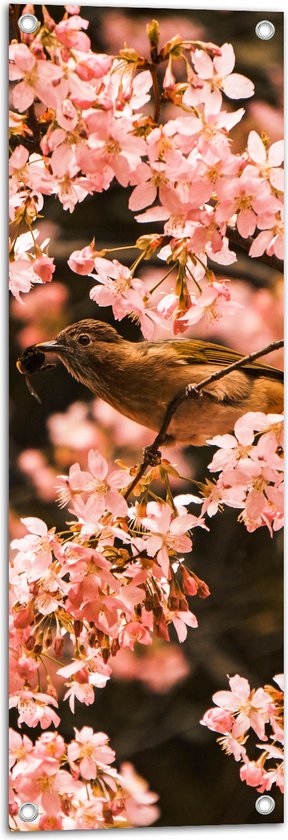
{"x": 97, "y": 464}
{"x": 35, "y": 525}
{"x": 256, "y": 148}
{"x": 237, "y": 86}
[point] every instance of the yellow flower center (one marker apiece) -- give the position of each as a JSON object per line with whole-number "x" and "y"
{"x": 244, "y": 202}
{"x": 118, "y": 286}
{"x": 87, "y": 751}
{"x": 112, "y": 146}
{"x": 31, "y": 77}
{"x": 45, "y": 783}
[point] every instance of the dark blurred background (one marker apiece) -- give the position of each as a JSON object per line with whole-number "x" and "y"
{"x": 240, "y": 625}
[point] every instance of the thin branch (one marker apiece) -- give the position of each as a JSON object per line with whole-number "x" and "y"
{"x": 245, "y": 244}
{"x": 156, "y": 92}
{"x": 152, "y": 453}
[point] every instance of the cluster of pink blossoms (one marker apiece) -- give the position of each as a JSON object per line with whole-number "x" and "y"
{"x": 93, "y": 126}
{"x": 251, "y": 467}
{"x": 242, "y": 709}
{"x": 117, "y": 580}
{"x": 74, "y": 785}
{"x": 120, "y": 576}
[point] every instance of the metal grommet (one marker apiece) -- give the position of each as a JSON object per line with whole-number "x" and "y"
{"x": 265, "y": 30}
{"x": 265, "y": 805}
{"x": 28, "y": 812}
{"x": 28, "y": 23}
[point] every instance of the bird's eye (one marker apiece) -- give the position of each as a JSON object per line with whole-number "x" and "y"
{"x": 84, "y": 339}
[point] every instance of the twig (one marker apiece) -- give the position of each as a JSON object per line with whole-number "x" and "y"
{"x": 156, "y": 92}
{"x": 192, "y": 391}
{"x": 245, "y": 244}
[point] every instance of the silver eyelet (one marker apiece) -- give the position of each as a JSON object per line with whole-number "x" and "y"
{"x": 265, "y": 30}
{"x": 28, "y": 23}
{"x": 28, "y": 812}
{"x": 265, "y": 805}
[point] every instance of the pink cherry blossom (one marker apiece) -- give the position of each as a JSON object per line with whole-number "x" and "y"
{"x": 69, "y": 33}
{"x": 248, "y": 196}
{"x": 134, "y": 632}
{"x": 149, "y": 178}
{"x": 125, "y": 293}
{"x": 269, "y": 161}
{"x": 78, "y": 666}
{"x": 27, "y": 266}
{"x": 20, "y": 749}
{"x": 178, "y": 208}
{"x": 101, "y": 485}
{"x": 47, "y": 788}
{"x": 35, "y": 549}
{"x": 91, "y": 750}
{"x": 35, "y": 708}
{"x": 112, "y": 145}
{"x": 50, "y": 749}
{"x": 114, "y": 281}
{"x": 270, "y": 239}
{"x": 168, "y": 533}
{"x": 217, "y": 75}
{"x": 37, "y": 78}
{"x": 82, "y": 692}
{"x": 213, "y": 303}
{"x": 253, "y": 709}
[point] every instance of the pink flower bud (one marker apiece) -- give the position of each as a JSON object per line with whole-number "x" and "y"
{"x": 44, "y": 268}
{"x": 251, "y": 773}
{"x": 82, "y": 262}
{"x": 219, "y": 720}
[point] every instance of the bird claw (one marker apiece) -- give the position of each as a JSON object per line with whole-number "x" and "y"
{"x": 152, "y": 457}
{"x": 191, "y": 392}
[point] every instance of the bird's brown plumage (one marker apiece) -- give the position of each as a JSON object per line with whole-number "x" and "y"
{"x": 141, "y": 379}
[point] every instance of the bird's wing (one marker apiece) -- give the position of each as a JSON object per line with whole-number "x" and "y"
{"x": 199, "y": 352}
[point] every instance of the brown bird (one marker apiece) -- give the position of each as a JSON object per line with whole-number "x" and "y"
{"x": 141, "y": 379}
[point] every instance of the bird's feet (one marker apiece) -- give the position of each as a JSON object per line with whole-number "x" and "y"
{"x": 191, "y": 392}
{"x": 152, "y": 457}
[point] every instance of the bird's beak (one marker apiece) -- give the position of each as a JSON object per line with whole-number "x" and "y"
{"x": 51, "y": 346}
